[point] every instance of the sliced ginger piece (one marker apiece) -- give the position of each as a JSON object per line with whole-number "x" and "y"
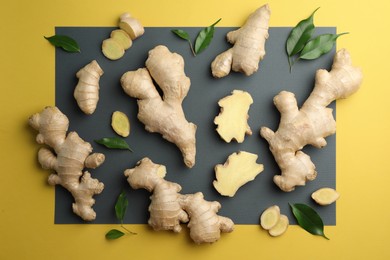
{"x": 325, "y": 196}
{"x": 280, "y": 227}
{"x": 232, "y": 120}
{"x": 270, "y": 217}
{"x": 131, "y": 25}
{"x": 239, "y": 169}
{"x": 120, "y": 123}
{"x": 122, "y": 37}
{"x": 112, "y": 49}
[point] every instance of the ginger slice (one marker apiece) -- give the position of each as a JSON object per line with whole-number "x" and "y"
{"x": 112, "y": 49}
{"x": 239, "y": 169}
{"x": 325, "y": 196}
{"x": 131, "y": 25}
{"x": 270, "y": 217}
{"x": 280, "y": 227}
{"x": 232, "y": 120}
{"x": 122, "y": 37}
{"x": 120, "y": 123}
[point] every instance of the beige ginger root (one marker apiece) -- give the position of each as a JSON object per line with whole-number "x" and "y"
{"x": 232, "y": 121}
{"x": 131, "y": 25}
{"x": 169, "y": 208}
{"x": 310, "y": 124}
{"x": 249, "y": 46}
{"x": 86, "y": 92}
{"x": 68, "y": 157}
{"x": 165, "y": 114}
{"x": 239, "y": 169}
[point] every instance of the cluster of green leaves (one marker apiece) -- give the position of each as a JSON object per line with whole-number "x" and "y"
{"x": 203, "y": 39}
{"x": 65, "y": 42}
{"x": 308, "y": 219}
{"x": 114, "y": 143}
{"x": 300, "y": 45}
{"x": 120, "y": 211}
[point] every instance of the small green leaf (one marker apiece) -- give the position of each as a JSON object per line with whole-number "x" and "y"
{"x": 65, "y": 42}
{"x": 319, "y": 46}
{"x": 184, "y": 35}
{"x": 204, "y": 37}
{"x": 300, "y": 35}
{"x": 114, "y": 234}
{"x": 121, "y": 206}
{"x": 114, "y": 143}
{"x": 308, "y": 219}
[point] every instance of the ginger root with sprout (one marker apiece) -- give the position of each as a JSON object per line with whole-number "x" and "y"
{"x": 249, "y": 46}
{"x": 310, "y": 124}
{"x": 68, "y": 157}
{"x": 169, "y": 208}
{"x": 165, "y": 114}
{"x": 86, "y": 92}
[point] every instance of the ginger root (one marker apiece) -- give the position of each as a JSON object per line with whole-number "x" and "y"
{"x": 165, "y": 114}
{"x": 274, "y": 222}
{"x": 70, "y": 155}
{"x": 86, "y": 91}
{"x": 120, "y": 123}
{"x": 311, "y": 124}
{"x": 239, "y": 169}
{"x": 131, "y": 26}
{"x": 325, "y": 196}
{"x": 169, "y": 208}
{"x": 232, "y": 121}
{"x": 249, "y": 46}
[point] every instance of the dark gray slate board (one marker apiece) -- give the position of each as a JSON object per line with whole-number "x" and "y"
{"x": 200, "y": 107}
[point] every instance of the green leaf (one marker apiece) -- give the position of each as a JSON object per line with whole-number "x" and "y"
{"x": 114, "y": 234}
{"x": 65, "y": 42}
{"x": 319, "y": 46}
{"x": 184, "y": 35}
{"x": 300, "y": 35}
{"x": 308, "y": 219}
{"x": 121, "y": 206}
{"x": 114, "y": 143}
{"x": 204, "y": 37}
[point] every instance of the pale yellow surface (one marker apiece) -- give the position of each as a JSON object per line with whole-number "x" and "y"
{"x": 27, "y": 85}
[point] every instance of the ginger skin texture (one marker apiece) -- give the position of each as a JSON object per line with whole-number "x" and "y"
{"x": 249, "y": 46}
{"x": 165, "y": 114}
{"x": 169, "y": 208}
{"x": 311, "y": 124}
{"x": 68, "y": 157}
{"x": 86, "y": 92}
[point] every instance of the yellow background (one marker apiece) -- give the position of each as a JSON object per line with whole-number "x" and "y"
{"x": 27, "y": 85}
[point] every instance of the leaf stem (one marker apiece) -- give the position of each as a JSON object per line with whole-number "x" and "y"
{"x": 192, "y": 49}
{"x": 128, "y": 231}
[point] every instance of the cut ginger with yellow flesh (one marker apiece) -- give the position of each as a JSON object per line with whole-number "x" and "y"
{"x": 274, "y": 222}
{"x": 325, "y": 196}
{"x": 120, "y": 123}
{"x": 239, "y": 169}
{"x": 232, "y": 120}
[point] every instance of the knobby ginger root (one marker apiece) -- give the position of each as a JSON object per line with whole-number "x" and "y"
{"x": 165, "y": 114}
{"x": 325, "y": 196}
{"x": 311, "y": 124}
{"x": 249, "y": 46}
{"x": 239, "y": 169}
{"x": 232, "y": 121}
{"x": 169, "y": 208}
{"x": 68, "y": 157}
{"x": 132, "y": 26}
{"x": 86, "y": 92}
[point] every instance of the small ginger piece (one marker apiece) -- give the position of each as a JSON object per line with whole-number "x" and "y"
{"x": 112, "y": 49}
{"x": 249, "y": 46}
{"x": 86, "y": 91}
{"x": 270, "y": 217}
{"x": 120, "y": 123}
{"x": 122, "y": 37}
{"x": 232, "y": 121}
{"x": 280, "y": 227}
{"x": 131, "y": 25}
{"x": 310, "y": 124}
{"x": 169, "y": 208}
{"x": 68, "y": 157}
{"x": 239, "y": 169}
{"x": 325, "y": 196}
{"x": 163, "y": 114}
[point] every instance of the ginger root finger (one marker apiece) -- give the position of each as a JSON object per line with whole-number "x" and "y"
{"x": 249, "y": 46}
{"x": 68, "y": 157}
{"x": 165, "y": 114}
{"x": 310, "y": 124}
